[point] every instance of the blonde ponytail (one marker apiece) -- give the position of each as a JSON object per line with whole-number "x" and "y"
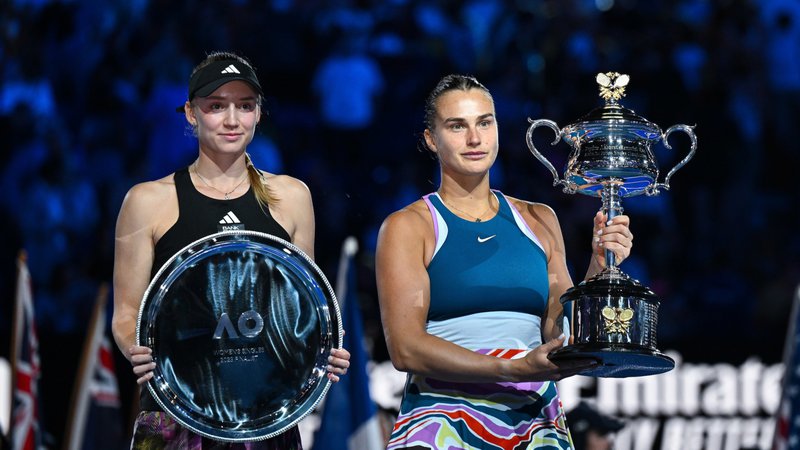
{"x": 258, "y": 181}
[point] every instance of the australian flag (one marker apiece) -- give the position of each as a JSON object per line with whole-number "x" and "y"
{"x": 95, "y": 419}
{"x": 25, "y": 433}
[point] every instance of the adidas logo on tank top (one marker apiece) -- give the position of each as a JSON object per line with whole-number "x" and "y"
{"x": 230, "y": 222}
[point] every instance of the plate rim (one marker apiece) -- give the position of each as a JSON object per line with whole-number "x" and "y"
{"x": 336, "y": 318}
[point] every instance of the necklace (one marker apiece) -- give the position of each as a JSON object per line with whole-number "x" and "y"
{"x": 226, "y": 195}
{"x": 475, "y": 218}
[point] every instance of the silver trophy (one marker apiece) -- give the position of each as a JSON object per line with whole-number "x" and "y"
{"x": 241, "y": 324}
{"x": 613, "y": 317}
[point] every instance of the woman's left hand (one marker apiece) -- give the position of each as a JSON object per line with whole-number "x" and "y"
{"x": 611, "y": 235}
{"x": 338, "y": 363}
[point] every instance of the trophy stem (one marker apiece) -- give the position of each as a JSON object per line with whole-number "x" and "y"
{"x": 612, "y": 207}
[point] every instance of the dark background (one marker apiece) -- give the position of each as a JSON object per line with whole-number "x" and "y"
{"x": 88, "y": 90}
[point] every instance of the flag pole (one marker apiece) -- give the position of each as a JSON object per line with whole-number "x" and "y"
{"x": 349, "y": 249}
{"x": 76, "y": 420}
{"x": 24, "y": 321}
{"x": 350, "y": 418}
{"x": 310, "y": 425}
{"x": 22, "y": 260}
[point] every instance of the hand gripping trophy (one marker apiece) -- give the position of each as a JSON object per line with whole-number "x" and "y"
{"x": 614, "y": 318}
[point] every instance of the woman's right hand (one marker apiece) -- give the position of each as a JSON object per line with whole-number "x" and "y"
{"x": 541, "y": 368}
{"x": 142, "y": 361}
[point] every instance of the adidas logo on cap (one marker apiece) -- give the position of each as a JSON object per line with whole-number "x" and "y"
{"x": 230, "y": 222}
{"x": 230, "y": 69}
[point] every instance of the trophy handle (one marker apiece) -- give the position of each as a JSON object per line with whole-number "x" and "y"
{"x": 529, "y": 138}
{"x": 652, "y": 190}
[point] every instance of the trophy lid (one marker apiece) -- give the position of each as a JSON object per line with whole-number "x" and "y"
{"x": 612, "y": 114}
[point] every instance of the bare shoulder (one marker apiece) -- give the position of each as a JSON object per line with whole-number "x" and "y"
{"x": 539, "y": 212}
{"x": 285, "y": 186}
{"x": 414, "y": 217}
{"x": 147, "y": 204}
{"x": 406, "y": 237}
{"x": 542, "y": 221}
{"x": 150, "y": 195}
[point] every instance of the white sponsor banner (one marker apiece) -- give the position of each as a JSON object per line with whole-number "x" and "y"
{"x": 705, "y": 406}
{"x": 696, "y": 406}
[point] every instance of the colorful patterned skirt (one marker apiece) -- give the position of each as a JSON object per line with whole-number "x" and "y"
{"x": 443, "y": 415}
{"x": 156, "y": 430}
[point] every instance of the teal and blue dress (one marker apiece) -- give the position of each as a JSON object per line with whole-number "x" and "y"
{"x": 488, "y": 292}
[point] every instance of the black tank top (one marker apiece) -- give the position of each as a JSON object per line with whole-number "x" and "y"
{"x": 200, "y": 216}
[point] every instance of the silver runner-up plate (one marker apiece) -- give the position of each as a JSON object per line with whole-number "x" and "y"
{"x": 241, "y": 324}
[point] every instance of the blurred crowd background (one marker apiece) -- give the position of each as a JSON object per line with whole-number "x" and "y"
{"x": 88, "y": 91}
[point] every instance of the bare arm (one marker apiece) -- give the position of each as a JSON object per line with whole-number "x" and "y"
{"x": 404, "y": 295}
{"x": 145, "y": 209}
{"x": 543, "y": 220}
{"x": 133, "y": 260}
{"x": 294, "y": 211}
{"x": 544, "y": 223}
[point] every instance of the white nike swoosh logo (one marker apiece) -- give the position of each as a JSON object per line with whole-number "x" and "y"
{"x": 482, "y": 240}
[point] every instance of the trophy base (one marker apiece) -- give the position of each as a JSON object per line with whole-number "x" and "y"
{"x": 616, "y": 360}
